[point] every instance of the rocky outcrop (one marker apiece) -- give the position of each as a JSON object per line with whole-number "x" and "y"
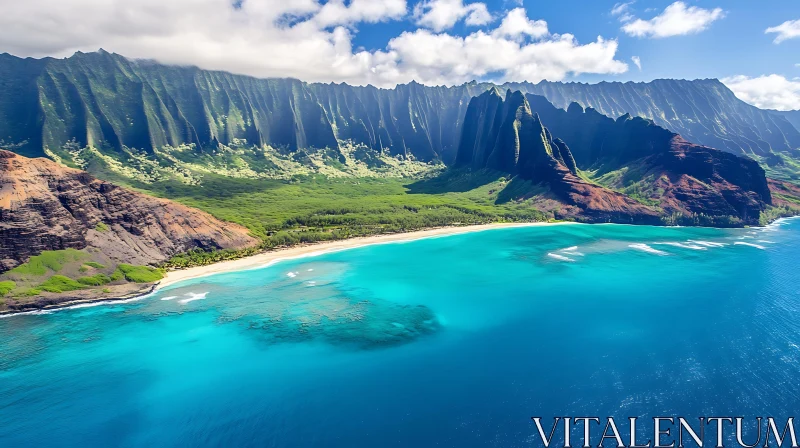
{"x": 668, "y": 175}
{"x": 504, "y": 135}
{"x": 682, "y": 177}
{"x": 44, "y": 206}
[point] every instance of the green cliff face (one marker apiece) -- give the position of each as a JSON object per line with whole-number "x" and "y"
{"x": 702, "y": 111}
{"x": 105, "y": 101}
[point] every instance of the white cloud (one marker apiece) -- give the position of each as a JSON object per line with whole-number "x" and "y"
{"x": 440, "y": 15}
{"x": 676, "y": 20}
{"x": 767, "y": 91}
{"x": 516, "y": 25}
{"x": 637, "y": 61}
{"x": 304, "y": 39}
{"x": 335, "y": 12}
{"x": 786, "y": 30}
{"x": 623, "y": 11}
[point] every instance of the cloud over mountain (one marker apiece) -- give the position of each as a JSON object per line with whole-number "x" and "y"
{"x": 766, "y": 91}
{"x": 309, "y": 39}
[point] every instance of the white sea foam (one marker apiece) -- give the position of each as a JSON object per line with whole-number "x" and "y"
{"x": 571, "y": 251}
{"x": 645, "y": 248}
{"x": 311, "y": 283}
{"x": 310, "y": 270}
{"x": 766, "y": 241}
{"x": 291, "y": 274}
{"x": 684, "y": 246}
{"x": 742, "y": 243}
{"x": 192, "y": 297}
{"x": 559, "y": 257}
{"x": 707, "y": 243}
{"x": 80, "y": 305}
{"x": 169, "y": 298}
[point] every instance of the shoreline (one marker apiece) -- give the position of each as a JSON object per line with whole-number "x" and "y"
{"x": 265, "y": 259}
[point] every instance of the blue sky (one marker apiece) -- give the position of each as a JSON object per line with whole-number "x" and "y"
{"x": 733, "y": 45}
{"x": 435, "y": 42}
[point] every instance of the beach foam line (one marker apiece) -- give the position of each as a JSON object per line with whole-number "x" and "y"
{"x": 742, "y": 243}
{"x": 192, "y": 297}
{"x": 242, "y": 265}
{"x": 560, "y": 257}
{"x": 707, "y": 243}
{"x": 81, "y": 305}
{"x": 645, "y": 248}
{"x": 684, "y": 246}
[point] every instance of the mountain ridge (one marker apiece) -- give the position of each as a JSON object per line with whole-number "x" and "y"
{"x": 675, "y": 178}
{"x": 114, "y": 103}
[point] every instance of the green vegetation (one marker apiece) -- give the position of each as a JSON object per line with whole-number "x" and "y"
{"x": 307, "y": 209}
{"x": 95, "y": 265}
{"x": 95, "y": 280}
{"x": 278, "y": 210}
{"x": 59, "y": 284}
{"x": 28, "y": 292}
{"x": 141, "y": 274}
{"x": 101, "y": 227}
{"x": 773, "y": 213}
{"x": 48, "y": 260}
{"x": 117, "y": 275}
{"x": 6, "y": 287}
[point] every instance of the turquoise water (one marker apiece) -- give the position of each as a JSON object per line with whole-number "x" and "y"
{"x": 452, "y": 341}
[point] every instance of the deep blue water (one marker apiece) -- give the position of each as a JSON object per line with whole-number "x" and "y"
{"x": 453, "y": 341}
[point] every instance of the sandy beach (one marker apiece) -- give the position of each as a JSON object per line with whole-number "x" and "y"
{"x": 267, "y": 258}
{"x": 259, "y": 261}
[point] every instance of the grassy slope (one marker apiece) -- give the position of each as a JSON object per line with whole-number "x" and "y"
{"x": 63, "y": 271}
{"x": 266, "y": 206}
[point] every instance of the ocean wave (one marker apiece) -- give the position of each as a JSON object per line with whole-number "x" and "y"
{"x": 707, "y": 243}
{"x": 81, "y": 305}
{"x": 169, "y": 298}
{"x": 684, "y": 246}
{"x": 742, "y": 243}
{"x": 192, "y": 297}
{"x": 645, "y": 248}
{"x": 560, "y": 257}
{"x": 766, "y": 241}
{"x": 571, "y": 251}
{"x": 291, "y": 274}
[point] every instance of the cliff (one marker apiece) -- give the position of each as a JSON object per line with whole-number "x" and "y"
{"x": 44, "y": 206}
{"x": 637, "y": 168}
{"x": 110, "y": 102}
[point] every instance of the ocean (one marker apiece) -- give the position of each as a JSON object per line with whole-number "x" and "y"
{"x": 450, "y": 341}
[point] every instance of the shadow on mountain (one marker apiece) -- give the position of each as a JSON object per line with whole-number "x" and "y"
{"x": 519, "y": 189}
{"x": 454, "y": 181}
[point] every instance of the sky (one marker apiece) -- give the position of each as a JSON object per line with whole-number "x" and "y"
{"x": 752, "y": 46}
